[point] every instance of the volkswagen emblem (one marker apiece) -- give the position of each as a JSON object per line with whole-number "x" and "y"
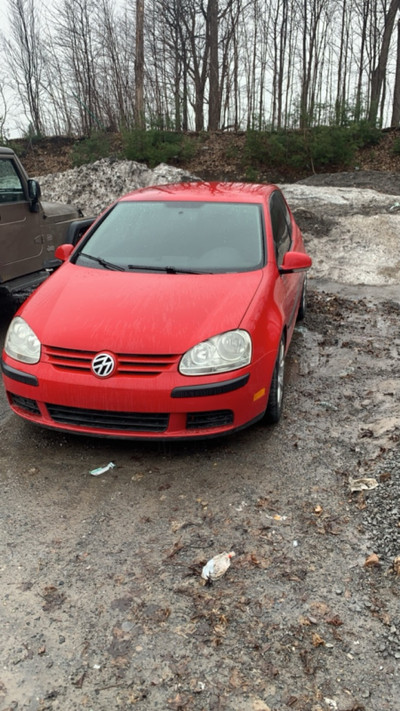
{"x": 103, "y": 365}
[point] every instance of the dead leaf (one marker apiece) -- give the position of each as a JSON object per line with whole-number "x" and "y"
{"x": 236, "y": 679}
{"x": 258, "y": 561}
{"x": 317, "y": 640}
{"x": 178, "y": 545}
{"x": 385, "y": 618}
{"x": 79, "y": 681}
{"x": 385, "y": 476}
{"x": 319, "y": 609}
{"x": 254, "y": 560}
{"x": 372, "y": 561}
{"x": 259, "y": 705}
{"x": 335, "y": 621}
{"x": 53, "y": 599}
{"x": 180, "y": 702}
{"x": 176, "y": 525}
{"x": 396, "y": 565}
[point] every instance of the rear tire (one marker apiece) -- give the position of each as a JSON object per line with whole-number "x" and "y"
{"x": 275, "y": 400}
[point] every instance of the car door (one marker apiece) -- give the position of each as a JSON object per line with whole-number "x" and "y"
{"x": 282, "y": 229}
{"x": 21, "y": 236}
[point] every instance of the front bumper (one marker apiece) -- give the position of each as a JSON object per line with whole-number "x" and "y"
{"x": 167, "y": 406}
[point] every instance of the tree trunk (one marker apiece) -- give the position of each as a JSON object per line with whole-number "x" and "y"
{"x": 139, "y": 66}
{"x": 214, "y": 98}
{"x": 396, "y": 93}
{"x": 379, "y": 73}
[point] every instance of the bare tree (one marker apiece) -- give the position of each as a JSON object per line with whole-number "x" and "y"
{"x": 212, "y": 39}
{"x": 24, "y": 59}
{"x": 78, "y": 51}
{"x": 170, "y": 44}
{"x": 227, "y": 29}
{"x": 3, "y": 111}
{"x": 139, "y": 65}
{"x": 310, "y": 13}
{"x": 379, "y": 71}
{"x": 396, "y": 92}
{"x": 209, "y": 63}
{"x": 115, "y": 65}
{"x": 342, "y": 65}
{"x": 282, "y": 33}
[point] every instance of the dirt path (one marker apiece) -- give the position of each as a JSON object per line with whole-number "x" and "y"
{"x": 103, "y": 606}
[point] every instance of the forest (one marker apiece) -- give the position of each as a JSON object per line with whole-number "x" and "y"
{"x": 77, "y": 67}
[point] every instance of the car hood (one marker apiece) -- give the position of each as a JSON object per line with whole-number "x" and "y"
{"x": 59, "y": 212}
{"x": 130, "y": 312}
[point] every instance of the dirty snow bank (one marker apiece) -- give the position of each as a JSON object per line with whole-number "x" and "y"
{"x": 351, "y": 233}
{"x": 94, "y": 186}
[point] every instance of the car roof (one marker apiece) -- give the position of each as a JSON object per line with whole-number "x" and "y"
{"x": 203, "y": 191}
{"x": 6, "y": 151}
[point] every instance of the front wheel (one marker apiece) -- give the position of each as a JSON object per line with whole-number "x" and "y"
{"x": 274, "y": 407}
{"x": 303, "y": 301}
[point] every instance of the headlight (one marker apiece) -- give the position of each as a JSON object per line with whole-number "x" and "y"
{"x": 21, "y": 342}
{"x": 228, "y": 351}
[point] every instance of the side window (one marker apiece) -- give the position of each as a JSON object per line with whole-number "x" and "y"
{"x": 281, "y": 226}
{"x": 11, "y": 189}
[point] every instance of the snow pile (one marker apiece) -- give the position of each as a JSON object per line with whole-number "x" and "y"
{"x": 94, "y": 186}
{"x": 352, "y": 234}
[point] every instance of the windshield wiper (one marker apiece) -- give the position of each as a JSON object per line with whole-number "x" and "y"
{"x": 167, "y": 270}
{"x": 103, "y": 262}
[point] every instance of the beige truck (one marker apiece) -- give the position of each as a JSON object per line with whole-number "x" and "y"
{"x": 30, "y": 229}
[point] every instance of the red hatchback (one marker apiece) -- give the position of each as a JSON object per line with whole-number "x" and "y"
{"x": 170, "y": 319}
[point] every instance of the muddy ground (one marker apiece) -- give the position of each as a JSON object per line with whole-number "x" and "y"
{"x": 103, "y": 605}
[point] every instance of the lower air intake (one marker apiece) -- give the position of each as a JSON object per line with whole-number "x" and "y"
{"x": 107, "y": 420}
{"x": 25, "y": 403}
{"x": 212, "y": 418}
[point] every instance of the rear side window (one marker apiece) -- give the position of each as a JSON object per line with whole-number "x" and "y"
{"x": 281, "y": 226}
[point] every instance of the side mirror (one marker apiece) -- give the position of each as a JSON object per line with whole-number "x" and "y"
{"x": 34, "y": 193}
{"x": 295, "y": 262}
{"x": 77, "y": 229}
{"x": 63, "y": 251}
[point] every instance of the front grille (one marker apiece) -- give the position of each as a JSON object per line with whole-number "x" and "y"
{"x": 127, "y": 364}
{"x": 108, "y": 420}
{"x": 213, "y": 418}
{"x": 25, "y": 403}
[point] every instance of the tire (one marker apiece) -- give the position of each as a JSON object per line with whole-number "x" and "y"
{"x": 303, "y": 301}
{"x": 275, "y": 400}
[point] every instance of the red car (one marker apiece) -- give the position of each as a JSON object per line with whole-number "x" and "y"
{"x": 170, "y": 319}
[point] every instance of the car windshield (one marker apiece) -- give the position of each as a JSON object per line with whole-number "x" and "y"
{"x": 177, "y": 237}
